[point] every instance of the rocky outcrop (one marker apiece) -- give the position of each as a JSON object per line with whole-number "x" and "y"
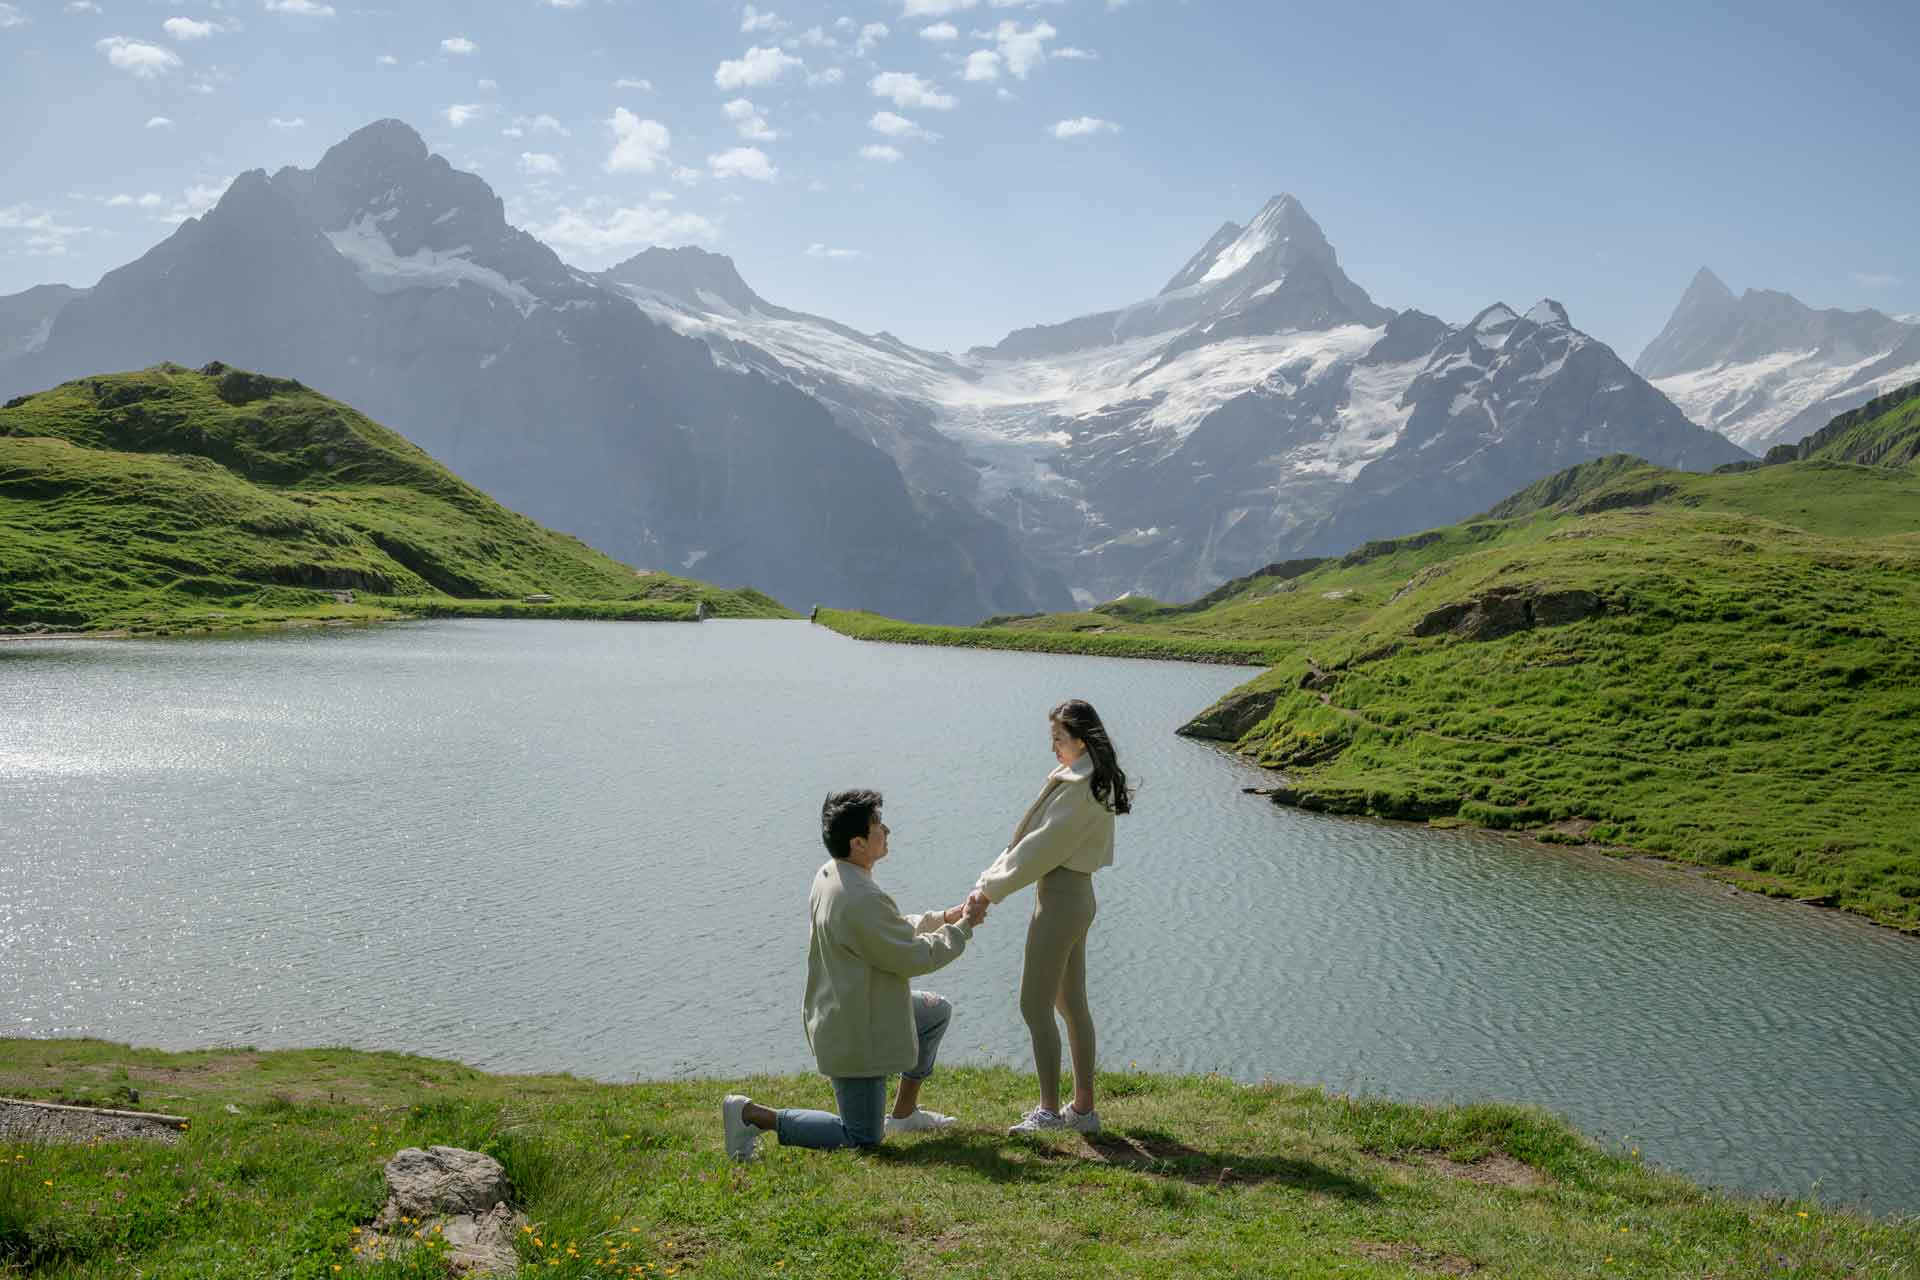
{"x": 1231, "y": 718}
{"x": 1505, "y": 610}
{"x": 450, "y": 1200}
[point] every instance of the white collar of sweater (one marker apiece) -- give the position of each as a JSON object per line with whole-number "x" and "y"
{"x": 1079, "y": 771}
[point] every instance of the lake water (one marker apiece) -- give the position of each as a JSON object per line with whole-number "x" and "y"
{"x": 585, "y": 846}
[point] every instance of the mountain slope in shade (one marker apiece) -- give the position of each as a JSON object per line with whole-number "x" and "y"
{"x": 1765, "y": 369}
{"x": 1261, "y": 406}
{"x": 386, "y": 278}
{"x": 26, "y": 319}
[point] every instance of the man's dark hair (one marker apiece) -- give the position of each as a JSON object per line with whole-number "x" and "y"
{"x": 847, "y": 814}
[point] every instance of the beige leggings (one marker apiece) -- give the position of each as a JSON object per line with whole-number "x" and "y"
{"x": 1056, "y": 978}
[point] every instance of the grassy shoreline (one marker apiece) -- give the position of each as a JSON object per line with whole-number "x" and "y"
{"x": 1196, "y": 1176}
{"x": 858, "y": 625}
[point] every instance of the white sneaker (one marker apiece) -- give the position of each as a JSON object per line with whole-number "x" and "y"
{"x": 1080, "y": 1121}
{"x": 741, "y": 1136}
{"x": 921, "y": 1120}
{"x": 1038, "y": 1119}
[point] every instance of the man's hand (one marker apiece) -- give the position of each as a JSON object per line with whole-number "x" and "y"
{"x": 976, "y": 907}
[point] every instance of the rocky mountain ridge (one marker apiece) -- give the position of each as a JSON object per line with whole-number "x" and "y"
{"x": 388, "y": 279}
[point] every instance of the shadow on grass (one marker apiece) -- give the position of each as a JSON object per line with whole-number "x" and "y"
{"x": 1147, "y": 1151}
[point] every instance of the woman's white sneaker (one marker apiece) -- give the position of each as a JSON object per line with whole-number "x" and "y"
{"x": 1080, "y": 1121}
{"x": 741, "y": 1136}
{"x": 919, "y": 1122}
{"x": 1037, "y": 1120}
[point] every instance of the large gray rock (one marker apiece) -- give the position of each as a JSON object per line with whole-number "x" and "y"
{"x": 456, "y": 1199}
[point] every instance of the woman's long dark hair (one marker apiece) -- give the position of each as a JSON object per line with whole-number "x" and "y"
{"x": 1109, "y": 781}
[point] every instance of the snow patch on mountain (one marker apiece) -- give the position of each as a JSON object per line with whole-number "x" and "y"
{"x": 1751, "y": 402}
{"x": 384, "y": 271}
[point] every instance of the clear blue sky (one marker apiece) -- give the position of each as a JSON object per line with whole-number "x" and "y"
{"x": 1455, "y": 154}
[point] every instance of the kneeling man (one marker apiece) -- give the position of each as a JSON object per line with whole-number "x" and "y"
{"x": 862, "y": 1021}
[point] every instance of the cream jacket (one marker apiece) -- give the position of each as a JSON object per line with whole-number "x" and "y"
{"x": 860, "y": 954}
{"x": 1064, "y": 827}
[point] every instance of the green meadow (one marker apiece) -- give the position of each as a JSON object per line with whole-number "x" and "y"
{"x": 278, "y": 1174}
{"x": 169, "y": 500}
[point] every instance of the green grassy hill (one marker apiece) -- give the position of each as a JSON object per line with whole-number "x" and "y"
{"x": 1720, "y": 669}
{"x": 169, "y": 498}
{"x": 279, "y": 1174}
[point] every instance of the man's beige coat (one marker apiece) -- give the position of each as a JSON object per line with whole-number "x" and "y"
{"x": 860, "y": 955}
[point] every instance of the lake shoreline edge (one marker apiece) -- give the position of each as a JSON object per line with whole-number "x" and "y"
{"x": 1332, "y": 802}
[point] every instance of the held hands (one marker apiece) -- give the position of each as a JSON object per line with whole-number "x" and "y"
{"x": 976, "y": 907}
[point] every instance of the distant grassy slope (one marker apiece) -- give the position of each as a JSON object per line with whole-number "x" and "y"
{"x": 170, "y": 497}
{"x": 1721, "y": 669}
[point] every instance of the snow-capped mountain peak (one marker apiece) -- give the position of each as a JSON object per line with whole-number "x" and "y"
{"x": 702, "y": 280}
{"x": 1548, "y": 312}
{"x": 1764, "y": 368}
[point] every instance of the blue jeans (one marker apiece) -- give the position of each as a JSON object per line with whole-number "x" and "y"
{"x": 862, "y": 1100}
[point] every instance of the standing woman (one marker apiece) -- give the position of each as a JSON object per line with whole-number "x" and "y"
{"x": 1066, "y": 836}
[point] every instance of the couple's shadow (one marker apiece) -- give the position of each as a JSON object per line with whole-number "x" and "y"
{"x": 1140, "y": 1150}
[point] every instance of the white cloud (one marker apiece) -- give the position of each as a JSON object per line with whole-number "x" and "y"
{"x": 743, "y": 162}
{"x": 542, "y": 123}
{"x": 462, "y": 112}
{"x": 685, "y": 176}
{"x": 540, "y": 163}
{"x": 46, "y": 236}
{"x": 982, "y": 64}
{"x": 1875, "y": 279}
{"x": 513, "y": 131}
{"x": 1072, "y": 54}
{"x": 817, "y": 38}
{"x": 933, "y": 8}
{"x": 899, "y": 127}
{"x": 940, "y": 31}
{"x": 159, "y": 122}
{"x": 599, "y": 240}
{"x": 628, "y": 82}
{"x": 662, "y": 197}
{"x": 754, "y": 20}
{"x": 82, "y": 6}
{"x": 821, "y": 251}
{"x": 387, "y": 60}
{"x": 748, "y": 121}
{"x": 832, "y": 75}
{"x": 870, "y": 35}
{"x": 458, "y": 45}
{"x": 488, "y": 86}
{"x": 194, "y": 201}
{"x": 1023, "y": 50}
{"x": 151, "y": 200}
{"x": 188, "y": 28}
{"x": 571, "y": 4}
{"x": 305, "y": 8}
{"x": 816, "y": 185}
{"x": 1082, "y": 126}
{"x": 297, "y": 122}
{"x": 1006, "y": 95}
{"x": 638, "y": 145}
{"x": 890, "y": 155}
{"x": 908, "y": 90}
{"x": 143, "y": 60}
{"x": 755, "y": 66}
{"x": 11, "y": 17}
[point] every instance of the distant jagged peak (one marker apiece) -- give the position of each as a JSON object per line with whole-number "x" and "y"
{"x": 1197, "y": 265}
{"x": 1496, "y": 319}
{"x": 1280, "y": 235}
{"x": 387, "y": 142}
{"x": 1706, "y": 287}
{"x": 690, "y": 274}
{"x": 1549, "y": 312}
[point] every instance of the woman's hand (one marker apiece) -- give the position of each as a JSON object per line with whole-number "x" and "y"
{"x": 976, "y": 907}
